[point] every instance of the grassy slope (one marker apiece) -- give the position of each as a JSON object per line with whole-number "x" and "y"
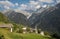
{"x": 9, "y": 35}
{"x": 3, "y": 18}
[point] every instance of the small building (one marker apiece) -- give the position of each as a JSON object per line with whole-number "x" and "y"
{"x": 10, "y": 26}
{"x": 42, "y": 33}
{"x": 24, "y": 30}
{"x": 39, "y": 31}
{"x": 32, "y": 30}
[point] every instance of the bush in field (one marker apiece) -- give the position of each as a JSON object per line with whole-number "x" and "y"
{"x": 17, "y": 28}
{"x": 46, "y": 33}
{"x": 55, "y": 36}
{"x": 28, "y": 29}
{"x": 39, "y": 30}
{"x": 20, "y": 30}
{"x": 2, "y": 36}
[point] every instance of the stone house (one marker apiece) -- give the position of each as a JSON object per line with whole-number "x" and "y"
{"x": 10, "y": 26}
{"x": 24, "y": 30}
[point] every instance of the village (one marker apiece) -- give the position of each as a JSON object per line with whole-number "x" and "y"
{"x": 24, "y": 29}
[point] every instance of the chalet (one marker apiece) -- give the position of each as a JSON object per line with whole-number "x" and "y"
{"x": 10, "y": 26}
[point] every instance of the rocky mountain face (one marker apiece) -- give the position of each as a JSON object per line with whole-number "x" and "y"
{"x": 35, "y": 17}
{"x": 16, "y": 17}
{"x": 48, "y": 20}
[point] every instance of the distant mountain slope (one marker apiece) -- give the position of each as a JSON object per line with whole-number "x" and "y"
{"x": 3, "y": 18}
{"x": 17, "y": 17}
{"x": 27, "y": 14}
{"x": 48, "y": 20}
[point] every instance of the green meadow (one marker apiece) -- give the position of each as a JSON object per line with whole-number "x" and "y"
{"x": 13, "y": 35}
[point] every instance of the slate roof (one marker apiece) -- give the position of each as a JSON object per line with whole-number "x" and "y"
{"x": 6, "y": 25}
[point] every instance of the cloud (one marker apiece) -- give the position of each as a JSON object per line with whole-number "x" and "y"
{"x": 34, "y": 5}
{"x": 33, "y": 2}
{"x": 6, "y": 3}
{"x": 47, "y": 1}
{"x": 16, "y": 4}
{"x": 38, "y": 6}
{"x": 31, "y": 5}
{"x": 23, "y": 6}
{"x": 58, "y": 1}
{"x": 44, "y": 6}
{"x": 6, "y": 7}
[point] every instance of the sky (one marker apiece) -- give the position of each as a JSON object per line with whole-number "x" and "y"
{"x": 25, "y": 4}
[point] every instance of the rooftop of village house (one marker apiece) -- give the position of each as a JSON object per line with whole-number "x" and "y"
{"x": 6, "y": 25}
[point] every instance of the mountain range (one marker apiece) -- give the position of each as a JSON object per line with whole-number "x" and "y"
{"x": 46, "y": 19}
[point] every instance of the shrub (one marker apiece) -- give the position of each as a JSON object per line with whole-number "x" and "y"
{"x": 46, "y": 33}
{"x": 20, "y": 30}
{"x": 28, "y": 29}
{"x": 55, "y": 36}
{"x": 2, "y": 36}
{"x": 39, "y": 31}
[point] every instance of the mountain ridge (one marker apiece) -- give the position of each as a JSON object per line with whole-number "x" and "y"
{"x": 48, "y": 20}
